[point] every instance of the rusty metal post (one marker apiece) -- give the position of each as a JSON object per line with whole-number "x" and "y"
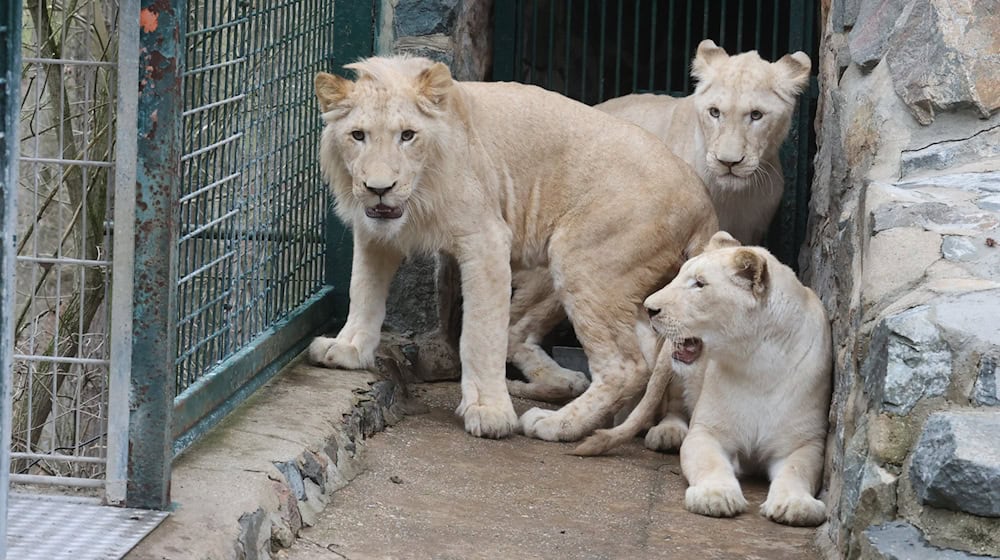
{"x": 10, "y": 101}
{"x": 158, "y": 169}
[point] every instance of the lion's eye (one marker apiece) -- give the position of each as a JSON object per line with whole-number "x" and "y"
{"x": 358, "y": 135}
{"x": 406, "y": 135}
{"x": 699, "y": 282}
{"x": 756, "y": 115}
{"x": 714, "y": 111}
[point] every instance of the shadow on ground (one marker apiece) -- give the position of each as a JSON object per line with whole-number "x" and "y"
{"x": 432, "y": 491}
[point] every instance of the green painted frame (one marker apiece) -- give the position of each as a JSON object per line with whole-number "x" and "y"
{"x": 162, "y": 425}
{"x": 10, "y": 101}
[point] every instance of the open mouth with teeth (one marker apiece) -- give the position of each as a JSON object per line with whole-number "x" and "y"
{"x": 687, "y": 350}
{"x": 384, "y": 212}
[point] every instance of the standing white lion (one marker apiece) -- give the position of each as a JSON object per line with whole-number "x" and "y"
{"x": 504, "y": 175}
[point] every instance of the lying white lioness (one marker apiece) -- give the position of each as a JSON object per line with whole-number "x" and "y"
{"x": 504, "y": 175}
{"x": 753, "y": 347}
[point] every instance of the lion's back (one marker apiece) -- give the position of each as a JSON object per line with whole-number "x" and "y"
{"x": 540, "y": 130}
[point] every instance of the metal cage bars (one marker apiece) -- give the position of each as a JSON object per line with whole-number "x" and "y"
{"x": 252, "y": 209}
{"x": 231, "y": 274}
{"x": 68, "y": 82}
{"x": 594, "y": 50}
{"x": 251, "y": 249}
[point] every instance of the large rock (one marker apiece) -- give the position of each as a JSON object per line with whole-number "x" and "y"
{"x": 875, "y": 22}
{"x": 971, "y": 319}
{"x": 986, "y": 183}
{"x": 413, "y": 305}
{"x": 952, "y": 153}
{"x": 939, "y": 217}
{"x": 845, "y": 14}
{"x": 901, "y": 541}
{"x": 987, "y": 391}
{"x": 956, "y": 464}
{"x": 943, "y": 56}
{"x": 895, "y": 261}
{"x": 908, "y": 360}
{"x": 425, "y": 17}
{"x": 473, "y": 39}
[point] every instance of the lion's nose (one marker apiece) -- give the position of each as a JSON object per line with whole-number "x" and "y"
{"x": 652, "y": 311}
{"x": 729, "y": 161}
{"x": 379, "y": 191}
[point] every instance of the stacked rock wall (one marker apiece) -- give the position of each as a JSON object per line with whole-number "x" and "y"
{"x": 904, "y": 219}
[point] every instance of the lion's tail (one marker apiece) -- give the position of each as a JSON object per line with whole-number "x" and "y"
{"x": 642, "y": 416}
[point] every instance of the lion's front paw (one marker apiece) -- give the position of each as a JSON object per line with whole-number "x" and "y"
{"x": 715, "y": 500}
{"x": 667, "y": 435}
{"x": 335, "y": 354}
{"x": 489, "y": 421}
{"x": 800, "y": 510}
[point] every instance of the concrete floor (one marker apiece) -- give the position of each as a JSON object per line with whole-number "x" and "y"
{"x": 432, "y": 491}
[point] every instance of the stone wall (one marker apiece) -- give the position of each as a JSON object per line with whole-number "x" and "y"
{"x": 904, "y": 219}
{"x": 424, "y": 302}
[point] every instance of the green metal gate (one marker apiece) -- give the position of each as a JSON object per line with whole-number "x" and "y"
{"x": 239, "y": 259}
{"x": 594, "y": 50}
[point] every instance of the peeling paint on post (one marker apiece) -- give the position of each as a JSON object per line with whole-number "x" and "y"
{"x": 10, "y": 99}
{"x": 161, "y": 61}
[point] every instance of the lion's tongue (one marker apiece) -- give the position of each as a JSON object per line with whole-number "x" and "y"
{"x": 688, "y": 350}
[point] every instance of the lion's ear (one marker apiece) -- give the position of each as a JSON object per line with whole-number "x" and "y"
{"x": 708, "y": 53}
{"x": 434, "y": 84}
{"x": 332, "y": 90}
{"x": 751, "y": 270}
{"x": 793, "y": 71}
{"x": 721, "y": 240}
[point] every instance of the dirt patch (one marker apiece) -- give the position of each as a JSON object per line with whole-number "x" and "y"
{"x": 432, "y": 491}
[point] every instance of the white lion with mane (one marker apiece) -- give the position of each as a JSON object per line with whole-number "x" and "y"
{"x": 505, "y": 176}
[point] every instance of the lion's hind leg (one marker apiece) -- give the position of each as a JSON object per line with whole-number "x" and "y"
{"x": 536, "y": 310}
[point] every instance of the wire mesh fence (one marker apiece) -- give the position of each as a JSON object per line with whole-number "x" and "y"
{"x": 251, "y": 243}
{"x": 248, "y": 227}
{"x": 67, "y": 126}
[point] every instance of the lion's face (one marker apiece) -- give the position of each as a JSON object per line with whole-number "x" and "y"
{"x": 381, "y": 131}
{"x": 710, "y": 297}
{"x": 745, "y": 106}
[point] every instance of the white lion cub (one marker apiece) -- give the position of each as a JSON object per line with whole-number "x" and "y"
{"x": 753, "y": 347}
{"x": 729, "y": 130}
